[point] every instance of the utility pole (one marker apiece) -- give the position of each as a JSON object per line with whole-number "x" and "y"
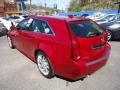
{"x": 118, "y": 2}
{"x": 55, "y": 7}
{"x": 21, "y": 5}
{"x": 45, "y": 4}
{"x": 30, "y": 4}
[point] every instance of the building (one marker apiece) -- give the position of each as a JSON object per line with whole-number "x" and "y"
{"x": 39, "y": 11}
{"x": 11, "y": 9}
{"x": 1, "y": 9}
{"x": 8, "y": 7}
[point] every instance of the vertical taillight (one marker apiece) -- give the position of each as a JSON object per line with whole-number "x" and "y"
{"x": 108, "y": 36}
{"x": 75, "y": 54}
{"x": 75, "y": 50}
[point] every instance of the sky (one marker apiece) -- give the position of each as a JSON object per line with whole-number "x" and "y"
{"x": 61, "y": 4}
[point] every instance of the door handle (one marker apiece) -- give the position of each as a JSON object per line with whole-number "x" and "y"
{"x": 13, "y": 34}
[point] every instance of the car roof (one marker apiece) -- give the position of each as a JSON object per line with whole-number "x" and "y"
{"x": 63, "y": 18}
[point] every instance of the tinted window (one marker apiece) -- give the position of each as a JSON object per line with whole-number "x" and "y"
{"x": 25, "y": 16}
{"x": 117, "y": 17}
{"x": 86, "y": 29}
{"x": 7, "y": 19}
{"x": 23, "y": 24}
{"x": 14, "y": 17}
{"x": 41, "y": 26}
{"x": 107, "y": 17}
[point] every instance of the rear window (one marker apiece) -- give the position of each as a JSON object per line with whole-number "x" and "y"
{"x": 7, "y": 19}
{"x": 86, "y": 29}
{"x": 25, "y": 16}
{"x": 14, "y": 17}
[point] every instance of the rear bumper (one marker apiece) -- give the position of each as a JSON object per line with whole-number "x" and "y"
{"x": 80, "y": 69}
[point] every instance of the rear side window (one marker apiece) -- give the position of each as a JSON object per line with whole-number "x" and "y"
{"x": 41, "y": 26}
{"x": 86, "y": 29}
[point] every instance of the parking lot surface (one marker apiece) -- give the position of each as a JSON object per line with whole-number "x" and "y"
{"x": 17, "y": 72}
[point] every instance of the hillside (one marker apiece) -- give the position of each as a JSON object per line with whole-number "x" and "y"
{"x": 75, "y": 7}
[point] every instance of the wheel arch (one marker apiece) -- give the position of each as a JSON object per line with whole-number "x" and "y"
{"x": 50, "y": 61}
{"x": 36, "y": 52}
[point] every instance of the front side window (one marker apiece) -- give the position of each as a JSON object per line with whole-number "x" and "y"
{"x": 23, "y": 24}
{"x": 41, "y": 26}
{"x": 86, "y": 29}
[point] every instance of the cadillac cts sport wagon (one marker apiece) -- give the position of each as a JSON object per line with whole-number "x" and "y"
{"x": 70, "y": 47}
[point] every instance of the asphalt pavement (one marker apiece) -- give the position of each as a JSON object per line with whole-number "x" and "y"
{"x": 17, "y": 72}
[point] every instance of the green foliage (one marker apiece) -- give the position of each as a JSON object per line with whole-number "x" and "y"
{"x": 76, "y": 6}
{"x": 2, "y": 0}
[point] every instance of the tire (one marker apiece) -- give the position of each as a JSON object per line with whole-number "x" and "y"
{"x": 10, "y": 43}
{"x": 44, "y": 65}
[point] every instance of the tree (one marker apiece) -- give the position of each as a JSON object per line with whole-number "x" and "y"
{"x": 2, "y": 0}
{"x": 75, "y": 5}
{"x": 82, "y": 5}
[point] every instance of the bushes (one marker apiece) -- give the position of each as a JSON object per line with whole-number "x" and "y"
{"x": 74, "y": 7}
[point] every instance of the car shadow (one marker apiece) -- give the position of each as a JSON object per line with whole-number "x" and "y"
{"x": 69, "y": 80}
{"x": 2, "y": 35}
{"x": 115, "y": 40}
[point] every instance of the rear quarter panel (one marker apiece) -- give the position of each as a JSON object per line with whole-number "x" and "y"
{"x": 57, "y": 47}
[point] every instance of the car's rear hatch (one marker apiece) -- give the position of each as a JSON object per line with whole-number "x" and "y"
{"x": 91, "y": 39}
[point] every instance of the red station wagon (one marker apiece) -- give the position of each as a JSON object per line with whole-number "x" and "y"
{"x": 70, "y": 47}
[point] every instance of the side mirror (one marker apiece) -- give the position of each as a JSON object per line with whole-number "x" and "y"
{"x": 12, "y": 26}
{"x": 18, "y": 28}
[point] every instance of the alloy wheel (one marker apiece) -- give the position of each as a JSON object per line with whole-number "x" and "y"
{"x": 43, "y": 64}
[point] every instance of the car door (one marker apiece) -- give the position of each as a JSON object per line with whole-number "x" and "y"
{"x": 17, "y": 33}
{"x": 27, "y": 37}
{"x": 38, "y": 32}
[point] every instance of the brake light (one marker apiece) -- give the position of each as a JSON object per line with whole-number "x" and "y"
{"x": 75, "y": 50}
{"x": 75, "y": 54}
{"x": 108, "y": 36}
